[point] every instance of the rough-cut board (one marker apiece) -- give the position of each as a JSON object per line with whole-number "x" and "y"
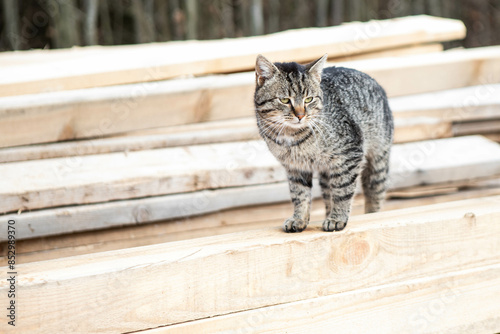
{"x": 97, "y": 112}
{"x": 100, "y": 178}
{"x": 226, "y": 221}
{"x": 429, "y": 162}
{"x": 146, "y": 287}
{"x": 395, "y": 52}
{"x": 464, "y": 301}
{"x": 485, "y": 126}
{"x": 241, "y": 129}
{"x": 157, "y": 61}
{"x": 16, "y": 58}
{"x": 481, "y": 102}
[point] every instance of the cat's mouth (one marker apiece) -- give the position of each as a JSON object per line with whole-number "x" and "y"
{"x": 297, "y": 122}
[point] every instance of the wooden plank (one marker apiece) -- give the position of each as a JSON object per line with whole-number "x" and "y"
{"x": 113, "y": 291}
{"x": 422, "y": 128}
{"x": 192, "y": 134}
{"x": 100, "y": 178}
{"x": 227, "y": 221}
{"x": 396, "y": 52}
{"x": 465, "y": 301}
{"x": 481, "y": 102}
{"x": 406, "y": 130}
{"x": 17, "y": 58}
{"x": 136, "y": 63}
{"x": 485, "y": 126}
{"x": 96, "y": 112}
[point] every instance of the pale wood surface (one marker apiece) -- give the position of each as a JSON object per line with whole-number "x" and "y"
{"x": 228, "y": 221}
{"x": 95, "y": 112}
{"x": 106, "y": 177}
{"x": 241, "y": 129}
{"x": 464, "y": 301}
{"x": 480, "y": 102}
{"x": 394, "y": 52}
{"x": 151, "y": 62}
{"x": 146, "y": 287}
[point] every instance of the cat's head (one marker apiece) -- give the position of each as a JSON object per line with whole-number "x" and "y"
{"x": 288, "y": 93}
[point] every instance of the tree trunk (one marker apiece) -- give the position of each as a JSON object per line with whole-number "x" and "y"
{"x": 192, "y": 19}
{"x": 11, "y": 18}
{"x": 177, "y": 20}
{"x": 107, "y": 31}
{"x": 354, "y": 10}
{"x": 117, "y": 24}
{"x": 163, "y": 21}
{"x": 321, "y": 13}
{"x": 244, "y": 17}
{"x": 418, "y": 7}
{"x": 227, "y": 18}
{"x": 66, "y": 25}
{"x": 434, "y": 7}
{"x": 90, "y": 24}
{"x": 149, "y": 20}
{"x": 337, "y": 12}
{"x": 274, "y": 16}
{"x": 257, "y": 15}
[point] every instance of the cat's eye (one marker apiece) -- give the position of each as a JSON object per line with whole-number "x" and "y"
{"x": 285, "y": 100}
{"x": 308, "y": 99}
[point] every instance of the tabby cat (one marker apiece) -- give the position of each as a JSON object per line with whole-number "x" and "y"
{"x": 333, "y": 121}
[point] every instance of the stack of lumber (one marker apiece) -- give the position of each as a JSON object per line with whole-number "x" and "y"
{"x": 145, "y": 201}
{"x": 433, "y": 268}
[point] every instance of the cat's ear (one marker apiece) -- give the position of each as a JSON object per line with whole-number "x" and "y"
{"x": 264, "y": 70}
{"x": 316, "y": 67}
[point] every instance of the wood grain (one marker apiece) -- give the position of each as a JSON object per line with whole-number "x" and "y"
{"x": 464, "y": 301}
{"x": 114, "y": 65}
{"x": 97, "y": 112}
{"x": 241, "y": 129}
{"x": 227, "y": 221}
{"x": 100, "y": 178}
{"x": 147, "y": 287}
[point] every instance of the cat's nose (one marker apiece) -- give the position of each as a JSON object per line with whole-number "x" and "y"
{"x": 299, "y": 111}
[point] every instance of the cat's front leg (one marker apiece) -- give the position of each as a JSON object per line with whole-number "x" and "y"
{"x": 300, "y": 183}
{"x": 342, "y": 188}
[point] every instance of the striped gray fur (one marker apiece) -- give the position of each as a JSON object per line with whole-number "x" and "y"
{"x": 333, "y": 121}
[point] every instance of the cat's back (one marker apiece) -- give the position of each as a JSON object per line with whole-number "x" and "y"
{"x": 352, "y": 95}
{"x": 351, "y": 82}
{"x": 349, "y": 91}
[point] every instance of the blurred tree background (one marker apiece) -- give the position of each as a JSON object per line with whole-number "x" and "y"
{"x": 34, "y": 24}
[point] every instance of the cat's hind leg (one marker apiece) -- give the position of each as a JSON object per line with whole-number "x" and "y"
{"x": 342, "y": 187}
{"x": 374, "y": 180}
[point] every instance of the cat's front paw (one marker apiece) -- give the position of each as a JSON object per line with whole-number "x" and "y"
{"x": 294, "y": 225}
{"x": 334, "y": 224}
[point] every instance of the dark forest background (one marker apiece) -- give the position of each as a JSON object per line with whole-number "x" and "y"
{"x": 34, "y": 24}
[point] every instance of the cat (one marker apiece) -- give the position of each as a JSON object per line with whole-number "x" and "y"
{"x": 334, "y": 121}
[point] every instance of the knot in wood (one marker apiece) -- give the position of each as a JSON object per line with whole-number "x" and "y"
{"x": 142, "y": 214}
{"x": 355, "y": 251}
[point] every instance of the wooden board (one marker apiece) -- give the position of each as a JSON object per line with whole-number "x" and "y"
{"x": 241, "y": 129}
{"x": 393, "y": 52}
{"x": 481, "y": 102}
{"x": 465, "y": 301}
{"x": 90, "y": 113}
{"x": 100, "y": 178}
{"x": 485, "y": 126}
{"x": 227, "y": 221}
{"x": 147, "y": 287}
{"x": 139, "y": 63}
